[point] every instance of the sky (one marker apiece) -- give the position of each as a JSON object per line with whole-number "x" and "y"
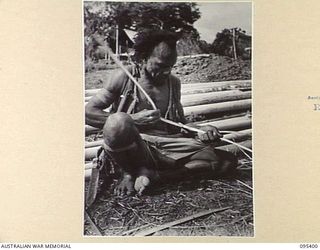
{"x": 219, "y": 15}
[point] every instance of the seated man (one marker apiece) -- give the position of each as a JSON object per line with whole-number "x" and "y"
{"x": 141, "y": 145}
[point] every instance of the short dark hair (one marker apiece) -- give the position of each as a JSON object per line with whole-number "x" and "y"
{"x": 146, "y": 40}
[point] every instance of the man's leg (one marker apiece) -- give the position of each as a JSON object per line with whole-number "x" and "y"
{"x": 216, "y": 161}
{"x": 127, "y": 149}
{"x": 209, "y": 161}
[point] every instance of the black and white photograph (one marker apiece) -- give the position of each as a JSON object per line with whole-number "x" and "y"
{"x": 168, "y": 119}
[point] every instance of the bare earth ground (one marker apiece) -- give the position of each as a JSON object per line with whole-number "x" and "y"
{"x": 115, "y": 216}
{"x": 188, "y": 70}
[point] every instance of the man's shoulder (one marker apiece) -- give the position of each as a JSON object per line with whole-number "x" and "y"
{"x": 175, "y": 81}
{"x": 117, "y": 79}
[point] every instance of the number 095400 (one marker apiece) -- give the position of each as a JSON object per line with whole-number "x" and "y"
{"x": 305, "y": 245}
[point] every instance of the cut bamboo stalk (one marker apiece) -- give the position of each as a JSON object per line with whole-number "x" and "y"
{"x": 91, "y": 153}
{"x": 211, "y": 97}
{"x": 235, "y": 123}
{"x": 93, "y": 144}
{"x": 88, "y": 166}
{"x": 235, "y": 149}
{"x": 91, "y": 130}
{"x": 191, "y": 88}
{"x": 217, "y": 108}
{"x": 235, "y": 136}
{"x": 213, "y": 86}
{"x": 225, "y": 124}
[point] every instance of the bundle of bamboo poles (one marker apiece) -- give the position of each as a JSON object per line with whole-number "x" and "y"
{"x": 193, "y": 88}
{"x": 92, "y": 148}
{"x": 200, "y": 100}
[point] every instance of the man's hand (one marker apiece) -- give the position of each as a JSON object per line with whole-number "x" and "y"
{"x": 211, "y": 134}
{"x": 146, "y": 117}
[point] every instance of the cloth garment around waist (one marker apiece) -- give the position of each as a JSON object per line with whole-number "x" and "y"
{"x": 175, "y": 148}
{"x": 166, "y": 152}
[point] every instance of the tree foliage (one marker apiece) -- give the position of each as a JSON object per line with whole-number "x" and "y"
{"x": 223, "y": 43}
{"x": 101, "y": 16}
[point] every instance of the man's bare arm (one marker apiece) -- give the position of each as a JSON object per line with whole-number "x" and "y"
{"x": 94, "y": 110}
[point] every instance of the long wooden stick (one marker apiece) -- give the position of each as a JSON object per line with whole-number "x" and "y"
{"x": 117, "y": 61}
{"x": 235, "y": 136}
{"x": 234, "y": 123}
{"x": 180, "y": 221}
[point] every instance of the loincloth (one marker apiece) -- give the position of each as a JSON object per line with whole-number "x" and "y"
{"x": 163, "y": 152}
{"x": 172, "y": 150}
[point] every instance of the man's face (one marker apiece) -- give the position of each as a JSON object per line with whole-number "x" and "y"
{"x": 161, "y": 61}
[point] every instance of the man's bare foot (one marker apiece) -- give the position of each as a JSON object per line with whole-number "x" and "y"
{"x": 144, "y": 179}
{"x": 141, "y": 184}
{"x": 125, "y": 187}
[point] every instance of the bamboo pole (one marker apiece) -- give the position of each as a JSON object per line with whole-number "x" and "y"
{"x": 90, "y": 152}
{"x": 218, "y": 107}
{"x": 235, "y": 149}
{"x": 91, "y": 130}
{"x": 211, "y": 97}
{"x": 192, "y": 88}
{"x": 234, "y": 136}
{"x": 235, "y": 123}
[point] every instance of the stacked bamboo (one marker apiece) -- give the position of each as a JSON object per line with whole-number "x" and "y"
{"x": 201, "y": 100}
{"x": 192, "y": 88}
{"x": 92, "y": 148}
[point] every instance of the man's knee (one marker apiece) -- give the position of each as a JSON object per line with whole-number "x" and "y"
{"x": 228, "y": 162}
{"x": 221, "y": 162}
{"x": 119, "y": 130}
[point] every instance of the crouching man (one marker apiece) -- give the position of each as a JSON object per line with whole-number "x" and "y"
{"x": 143, "y": 147}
